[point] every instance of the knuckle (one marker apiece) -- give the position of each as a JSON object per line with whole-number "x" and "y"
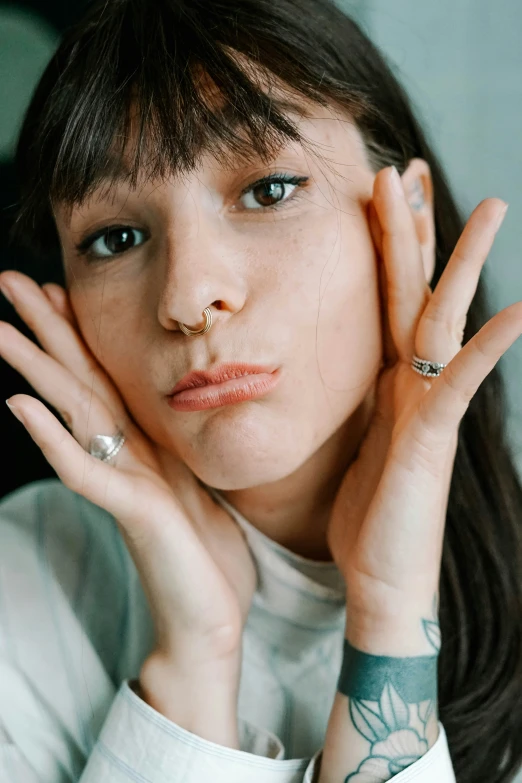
{"x": 75, "y": 479}
{"x": 82, "y": 405}
{"x": 481, "y": 343}
{"x": 462, "y": 392}
{"x": 8, "y": 332}
{"x": 427, "y": 437}
{"x": 59, "y": 442}
{"x": 433, "y": 315}
{"x": 436, "y": 314}
{"x": 421, "y": 450}
{"x": 424, "y": 439}
{"x": 67, "y": 420}
{"x": 92, "y": 368}
{"x": 460, "y": 327}
{"x": 73, "y": 482}
{"x": 450, "y": 376}
{"x": 436, "y": 311}
{"x": 459, "y": 255}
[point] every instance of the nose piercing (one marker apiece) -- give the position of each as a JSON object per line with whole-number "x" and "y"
{"x": 207, "y": 312}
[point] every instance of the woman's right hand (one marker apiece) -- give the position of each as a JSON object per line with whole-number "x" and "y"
{"x": 192, "y": 558}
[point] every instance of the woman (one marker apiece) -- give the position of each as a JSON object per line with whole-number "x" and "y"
{"x": 221, "y": 179}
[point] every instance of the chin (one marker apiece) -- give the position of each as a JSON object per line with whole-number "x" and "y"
{"x": 232, "y": 478}
{"x": 248, "y": 455}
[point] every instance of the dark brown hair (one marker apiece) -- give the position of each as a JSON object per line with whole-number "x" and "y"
{"x": 148, "y": 56}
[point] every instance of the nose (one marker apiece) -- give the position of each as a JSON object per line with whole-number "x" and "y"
{"x": 198, "y": 274}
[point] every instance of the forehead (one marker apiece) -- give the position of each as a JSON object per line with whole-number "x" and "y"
{"x": 329, "y": 135}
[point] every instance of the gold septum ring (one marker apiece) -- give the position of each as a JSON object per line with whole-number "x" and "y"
{"x": 208, "y": 323}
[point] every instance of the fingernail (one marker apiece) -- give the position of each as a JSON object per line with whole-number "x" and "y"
{"x": 397, "y": 183}
{"x": 6, "y": 293}
{"x": 14, "y": 411}
{"x": 501, "y": 217}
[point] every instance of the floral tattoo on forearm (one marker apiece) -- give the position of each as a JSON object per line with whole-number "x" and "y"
{"x": 390, "y": 702}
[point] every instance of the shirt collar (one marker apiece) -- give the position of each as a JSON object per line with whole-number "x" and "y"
{"x": 306, "y": 593}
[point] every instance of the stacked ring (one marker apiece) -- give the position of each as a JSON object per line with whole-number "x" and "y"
{"x": 426, "y": 368}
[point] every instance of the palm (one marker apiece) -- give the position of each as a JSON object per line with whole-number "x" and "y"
{"x": 392, "y": 397}
{"x": 233, "y": 577}
{"x": 149, "y": 475}
{"x": 397, "y": 396}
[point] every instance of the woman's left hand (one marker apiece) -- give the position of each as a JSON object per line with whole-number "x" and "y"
{"x": 387, "y": 522}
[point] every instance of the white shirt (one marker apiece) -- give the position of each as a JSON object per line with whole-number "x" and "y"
{"x": 75, "y": 628}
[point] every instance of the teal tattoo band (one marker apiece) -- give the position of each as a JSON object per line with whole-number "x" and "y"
{"x": 364, "y": 676}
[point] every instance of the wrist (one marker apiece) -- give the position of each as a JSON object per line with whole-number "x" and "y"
{"x": 202, "y": 701}
{"x": 402, "y": 631}
{"x": 392, "y": 692}
{"x": 365, "y": 675}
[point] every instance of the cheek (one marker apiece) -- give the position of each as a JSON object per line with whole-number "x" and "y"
{"x": 349, "y": 333}
{"x": 108, "y": 328}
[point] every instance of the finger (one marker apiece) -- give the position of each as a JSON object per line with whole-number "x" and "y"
{"x": 407, "y": 288}
{"x": 441, "y": 328}
{"x": 389, "y": 350}
{"x": 57, "y": 335}
{"x": 59, "y": 300}
{"x": 37, "y": 308}
{"x": 445, "y": 402}
{"x": 80, "y": 407}
{"x": 97, "y": 481}
{"x": 375, "y": 227}
{"x": 166, "y": 549}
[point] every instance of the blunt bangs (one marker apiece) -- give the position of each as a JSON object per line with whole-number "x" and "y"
{"x": 179, "y": 78}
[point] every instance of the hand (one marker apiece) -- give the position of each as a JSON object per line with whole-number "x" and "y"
{"x": 192, "y": 558}
{"x": 387, "y": 523}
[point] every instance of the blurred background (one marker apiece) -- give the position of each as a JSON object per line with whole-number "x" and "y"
{"x": 461, "y": 62}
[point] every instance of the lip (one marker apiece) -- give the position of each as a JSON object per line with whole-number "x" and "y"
{"x": 219, "y": 374}
{"x": 227, "y": 384}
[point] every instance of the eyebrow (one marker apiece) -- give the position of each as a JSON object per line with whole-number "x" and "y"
{"x": 117, "y": 169}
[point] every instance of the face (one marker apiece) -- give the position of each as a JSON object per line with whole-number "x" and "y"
{"x": 289, "y": 271}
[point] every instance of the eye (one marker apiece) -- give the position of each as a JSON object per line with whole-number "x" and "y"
{"x": 267, "y": 192}
{"x": 111, "y": 241}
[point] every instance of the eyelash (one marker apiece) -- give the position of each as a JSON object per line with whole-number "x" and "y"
{"x": 84, "y": 247}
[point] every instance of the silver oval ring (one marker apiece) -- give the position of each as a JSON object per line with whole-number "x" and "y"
{"x": 105, "y": 447}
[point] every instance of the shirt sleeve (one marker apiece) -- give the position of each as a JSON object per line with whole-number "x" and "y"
{"x": 137, "y": 743}
{"x": 434, "y": 766}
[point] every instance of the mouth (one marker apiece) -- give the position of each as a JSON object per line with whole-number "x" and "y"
{"x": 227, "y": 384}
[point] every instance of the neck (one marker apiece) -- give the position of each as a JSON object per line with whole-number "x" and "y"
{"x": 295, "y": 510}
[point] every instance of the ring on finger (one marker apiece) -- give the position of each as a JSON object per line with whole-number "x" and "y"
{"x": 105, "y": 447}
{"x": 427, "y": 368}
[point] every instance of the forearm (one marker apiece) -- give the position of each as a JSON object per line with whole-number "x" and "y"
{"x": 202, "y": 702}
{"x": 384, "y": 715}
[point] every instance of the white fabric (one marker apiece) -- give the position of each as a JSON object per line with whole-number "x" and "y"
{"x": 75, "y": 628}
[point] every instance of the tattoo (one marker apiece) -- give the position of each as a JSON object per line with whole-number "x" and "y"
{"x": 390, "y": 702}
{"x": 432, "y": 627}
{"x": 417, "y": 202}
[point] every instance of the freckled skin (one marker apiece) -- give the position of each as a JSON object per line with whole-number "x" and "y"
{"x": 297, "y": 286}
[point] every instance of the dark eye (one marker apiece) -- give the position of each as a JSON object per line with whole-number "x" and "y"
{"x": 112, "y": 241}
{"x": 270, "y": 191}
